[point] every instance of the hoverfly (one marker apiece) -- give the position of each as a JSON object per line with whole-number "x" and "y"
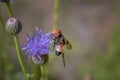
{"x": 59, "y": 42}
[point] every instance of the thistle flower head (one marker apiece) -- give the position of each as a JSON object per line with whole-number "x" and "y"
{"x": 38, "y": 46}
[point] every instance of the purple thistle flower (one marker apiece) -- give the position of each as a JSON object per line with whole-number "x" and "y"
{"x": 38, "y": 46}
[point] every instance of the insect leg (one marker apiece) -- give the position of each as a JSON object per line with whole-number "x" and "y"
{"x": 63, "y": 58}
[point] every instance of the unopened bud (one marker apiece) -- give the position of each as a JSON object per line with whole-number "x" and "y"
{"x": 13, "y": 26}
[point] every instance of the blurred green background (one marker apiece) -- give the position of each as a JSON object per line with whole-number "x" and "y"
{"x": 92, "y": 26}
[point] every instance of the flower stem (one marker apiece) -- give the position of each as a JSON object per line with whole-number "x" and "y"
{"x": 8, "y": 65}
{"x": 9, "y": 9}
{"x": 36, "y": 71}
{"x": 16, "y": 42}
{"x": 2, "y": 24}
{"x": 19, "y": 55}
{"x": 43, "y": 72}
{"x": 56, "y": 14}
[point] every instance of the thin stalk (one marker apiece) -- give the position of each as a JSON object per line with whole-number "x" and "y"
{"x": 6, "y": 57}
{"x": 4, "y": 34}
{"x": 2, "y": 24}
{"x": 19, "y": 55}
{"x": 56, "y": 14}
{"x": 9, "y": 9}
{"x": 36, "y": 71}
{"x": 16, "y": 43}
{"x": 43, "y": 72}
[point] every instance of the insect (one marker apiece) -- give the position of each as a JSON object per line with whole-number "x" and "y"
{"x": 59, "y": 42}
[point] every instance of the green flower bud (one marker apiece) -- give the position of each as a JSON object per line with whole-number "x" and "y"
{"x": 13, "y": 26}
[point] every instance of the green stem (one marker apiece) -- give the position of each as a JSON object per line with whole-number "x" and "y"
{"x": 2, "y": 24}
{"x": 9, "y": 9}
{"x": 8, "y": 68}
{"x": 19, "y": 55}
{"x": 56, "y": 14}
{"x": 16, "y": 42}
{"x": 43, "y": 72}
{"x": 5, "y": 35}
{"x": 36, "y": 71}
